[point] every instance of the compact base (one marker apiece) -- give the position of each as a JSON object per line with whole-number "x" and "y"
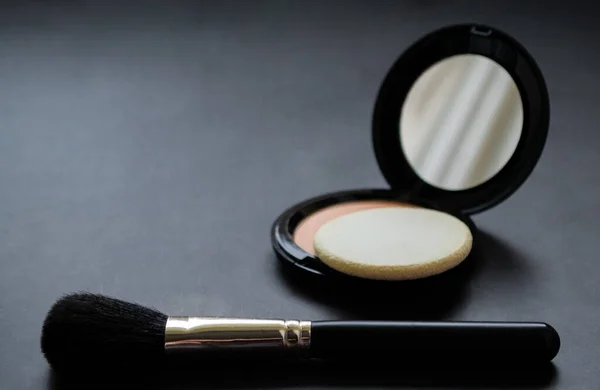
{"x": 286, "y": 249}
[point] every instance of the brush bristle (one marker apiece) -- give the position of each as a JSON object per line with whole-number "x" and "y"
{"x": 88, "y": 332}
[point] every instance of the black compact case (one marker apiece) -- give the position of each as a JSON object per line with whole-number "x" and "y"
{"x": 405, "y": 184}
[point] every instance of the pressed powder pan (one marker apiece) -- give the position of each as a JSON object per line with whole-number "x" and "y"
{"x": 459, "y": 123}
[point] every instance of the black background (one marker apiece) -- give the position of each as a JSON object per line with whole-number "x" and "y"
{"x": 146, "y": 148}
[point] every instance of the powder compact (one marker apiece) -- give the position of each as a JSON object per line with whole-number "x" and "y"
{"x": 459, "y": 123}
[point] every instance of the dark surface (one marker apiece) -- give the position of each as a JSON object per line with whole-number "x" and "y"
{"x": 146, "y": 150}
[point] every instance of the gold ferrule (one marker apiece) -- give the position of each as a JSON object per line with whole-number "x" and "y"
{"x": 213, "y": 333}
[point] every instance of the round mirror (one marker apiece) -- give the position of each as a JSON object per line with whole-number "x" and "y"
{"x": 461, "y": 122}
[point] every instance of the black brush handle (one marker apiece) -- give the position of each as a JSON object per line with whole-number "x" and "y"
{"x": 528, "y": 342}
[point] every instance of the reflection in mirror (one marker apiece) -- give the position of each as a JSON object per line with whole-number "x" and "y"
{"x": 461, "y": 122}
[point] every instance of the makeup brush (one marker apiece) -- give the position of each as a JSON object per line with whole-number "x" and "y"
{"x": 90, "y": 331}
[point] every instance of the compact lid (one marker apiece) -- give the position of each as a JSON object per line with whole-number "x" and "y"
{"x": 461, "y": 118}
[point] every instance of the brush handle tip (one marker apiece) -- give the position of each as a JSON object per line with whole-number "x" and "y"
{"x": 529, "y": 342}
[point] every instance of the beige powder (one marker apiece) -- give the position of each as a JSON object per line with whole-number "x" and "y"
{"x": 305, "y": 232}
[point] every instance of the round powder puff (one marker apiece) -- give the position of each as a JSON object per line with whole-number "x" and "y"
{"x": 393, "y": 243}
